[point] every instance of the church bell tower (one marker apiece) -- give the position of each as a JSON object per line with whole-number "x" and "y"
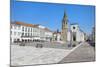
{"x": 64, "y": 28}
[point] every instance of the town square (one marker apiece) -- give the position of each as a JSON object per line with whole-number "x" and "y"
{"x": 47, "y": 36}
{"x": 30, "y": 55}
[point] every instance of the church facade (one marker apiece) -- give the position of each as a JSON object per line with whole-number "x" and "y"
{"x": 72, "y": 33}
{"x": 76, "y": 33}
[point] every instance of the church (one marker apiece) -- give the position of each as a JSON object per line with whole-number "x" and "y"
{"x": 69, "y": 34}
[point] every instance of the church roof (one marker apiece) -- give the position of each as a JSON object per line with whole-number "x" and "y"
{"x": 74, "y": 24}
{"x": 65, "y": 16}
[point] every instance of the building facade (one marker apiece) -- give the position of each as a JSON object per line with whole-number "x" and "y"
{"x": 57, "y": 36}
{"x": 15, "y": 32}
{"x": 29, "y": 32}
{"x": 76, "y": 33}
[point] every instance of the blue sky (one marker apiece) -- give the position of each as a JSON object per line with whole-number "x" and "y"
{"x": 50, "y": 15}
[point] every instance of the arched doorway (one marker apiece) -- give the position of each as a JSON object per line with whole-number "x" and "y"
{"x": 74, "y": 36}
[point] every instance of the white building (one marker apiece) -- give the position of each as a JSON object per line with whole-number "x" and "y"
{"x": 16, "y": 32}
{"x": 48, "y": 34}
{"x": 57, "y": 36}
{"x": 45, "y": 33}
{"x": 29, "y": 32}
{"x": 74, "y": 33}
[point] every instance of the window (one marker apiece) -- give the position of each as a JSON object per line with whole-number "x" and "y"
{"x": 73, "y": 27}
{"x": 26, "y": 29}
{"x": 22, "y": 28}
{"x": 31, "y": 29}
{"x": 28, "y": 34}
{"x": 31, "y": 34}
{"x": 25, "y": 34}
{"x": 22, "y": 34}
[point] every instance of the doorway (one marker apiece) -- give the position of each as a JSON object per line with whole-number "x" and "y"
{"x": 74, "y": 36}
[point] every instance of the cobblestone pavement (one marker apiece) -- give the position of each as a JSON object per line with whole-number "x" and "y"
{"x": 81, "y": 54}
{"x": 28, "y": 55}
{"x": 55, "y": 53}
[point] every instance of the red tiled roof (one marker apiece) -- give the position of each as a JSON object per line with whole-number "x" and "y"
{"x": 31, "y": 25}
{"x": 25, "y": 24}
{"x": 46, "y": 29}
